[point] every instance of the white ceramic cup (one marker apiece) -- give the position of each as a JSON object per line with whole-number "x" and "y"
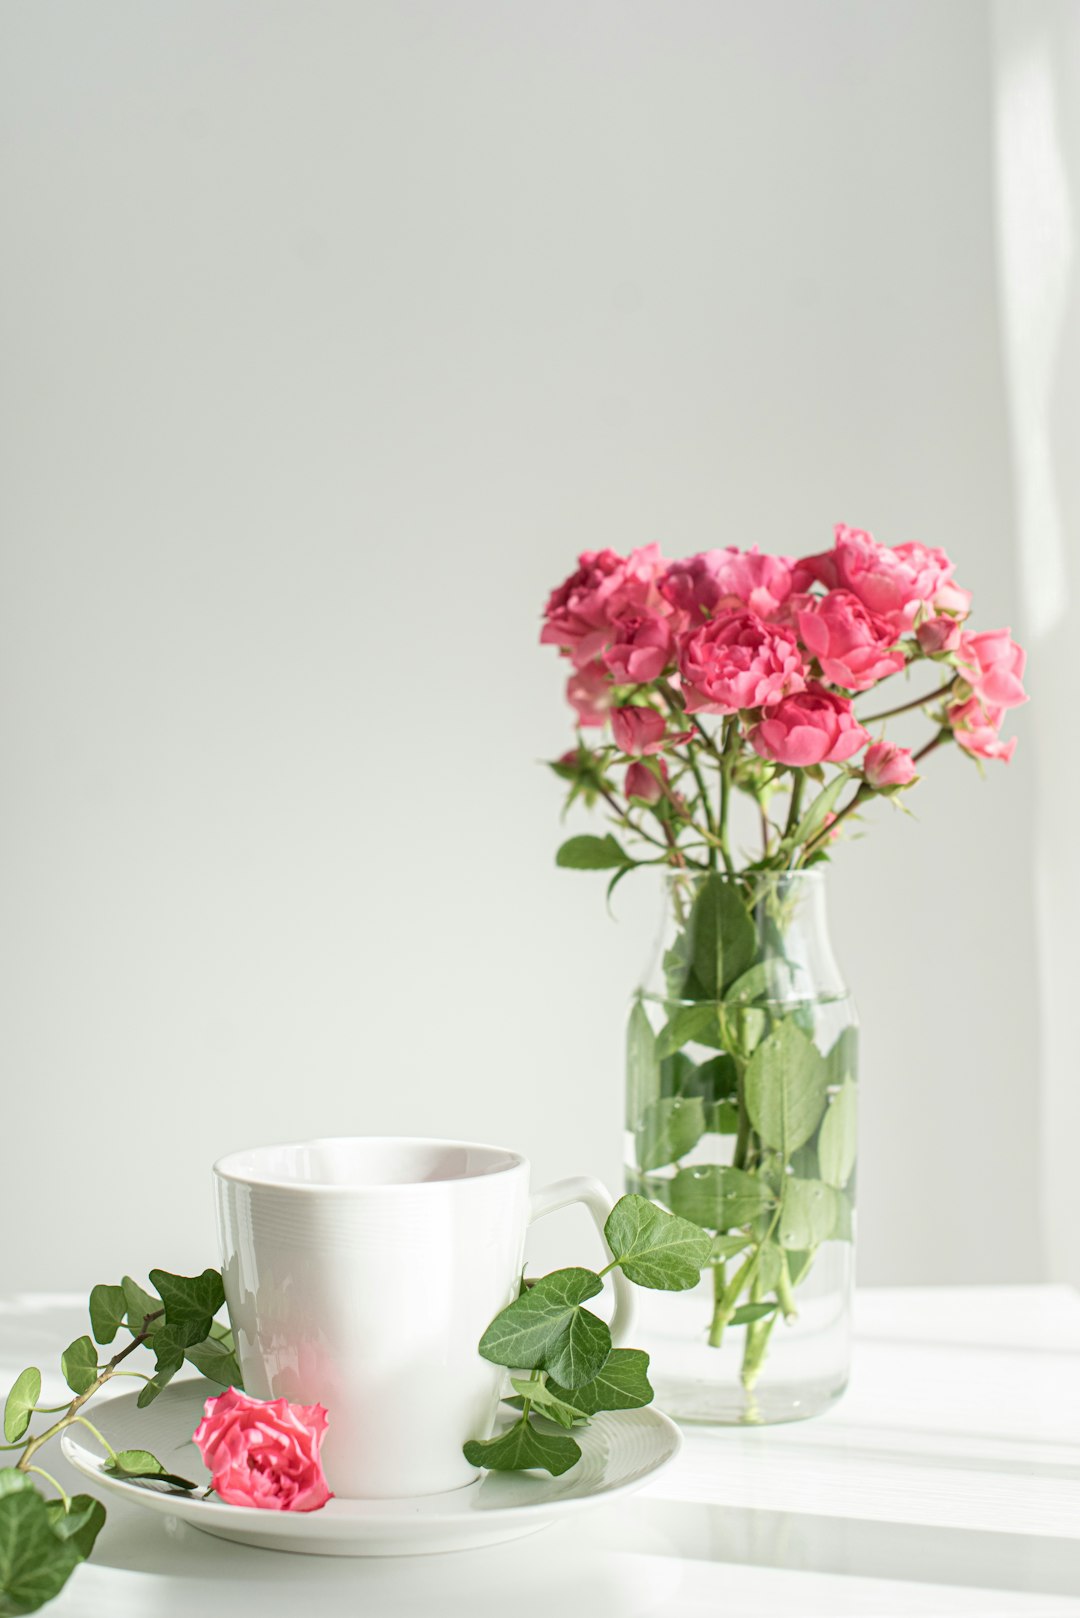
{"x": 360, "y": 1273}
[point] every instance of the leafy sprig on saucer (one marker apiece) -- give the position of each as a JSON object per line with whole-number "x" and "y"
{"x": 574, "y": 1372}
{"x": 43, "y": 1540}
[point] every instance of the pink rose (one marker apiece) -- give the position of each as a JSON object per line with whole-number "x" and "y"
{"x": 895, "y": 581}
{"x": 993, "y": 665}
{"x": 887, "y": 765}
{"x": 975, "y": 727}
{"x": 854, "y": 646}
{"x": 811, "y": 727}
{"x": 588, "y": 691}
{"x": 642, "y": 783}
{"x": 738, "y": 661}
{"x": 641, "y": 649}
{"x": 643, "y": 730}
{"x": 580, "y": 612}
{"x": 264, "y": 1452}
{"x": 715, "y": 581}
{"x": 938, "y": 635}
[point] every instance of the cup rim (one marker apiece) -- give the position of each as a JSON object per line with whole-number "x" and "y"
{"x": 223, "y": 1171}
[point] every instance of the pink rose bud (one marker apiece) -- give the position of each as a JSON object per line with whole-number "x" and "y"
{"x": 975, "y": 727}
{"x": 643, "y": 730}
{"x": 264, "y": 1452}
{"x": 992, "y": 665}
{"x": 814, "y": 726}
{"x": 588, "y": 691}
{"x": 938, "y": 635}
{"x": 642, "y": 784}
{"x": 887, "y": 765}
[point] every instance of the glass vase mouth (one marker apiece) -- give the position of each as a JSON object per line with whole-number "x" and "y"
{"x": 809, "y": 880}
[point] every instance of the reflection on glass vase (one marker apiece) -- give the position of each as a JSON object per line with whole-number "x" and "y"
{"x": 741, "y": 1116}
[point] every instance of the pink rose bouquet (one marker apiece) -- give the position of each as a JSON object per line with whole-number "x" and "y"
{"x": 764, "y": 670}
{"x": 736, "y": 706}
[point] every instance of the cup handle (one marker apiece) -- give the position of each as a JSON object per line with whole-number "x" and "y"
{"x": 595, "y": 1196}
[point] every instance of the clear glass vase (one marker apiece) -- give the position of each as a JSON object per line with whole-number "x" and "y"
{"x": 741, "y": 1112}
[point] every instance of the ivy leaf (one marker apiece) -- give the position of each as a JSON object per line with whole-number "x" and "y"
{"x": 668, "y": 1130}
{"x": 642, "y": 1066}
{"x": 547, "y": 1329}
{"x": 808, "y": 1216}
{"x": 719, "y": 1198}
{"x": 140, "y": 1466}
{"x": 170, "y": 1345}
{"x": 107, "y": 1309}
{"x": 727, "y": 1246}
{"x": 20, "y": 1403}
{"x": 589, "y": 854}
{"x": 139, "y": 1304}
{"x": 214, "y": 1358}
{"x": 189, "y": 1298}
{"x": 622, "y": 1385}
{"x": 80, "y": 1524}
{"x": 547, "y": 1403}
{"x": 12, "y": 1480}
{"x": 698, "y": 1024}
{"x": 654, "y": 1248}
{"x": 786, "y": 1088}
{"x": 524, "y": 1447}
{"x": 837, "y": 1141}
{"x": 79, "y": 1363}
{"x": 722, "y": 935}
{"x": 35, "y": 1563}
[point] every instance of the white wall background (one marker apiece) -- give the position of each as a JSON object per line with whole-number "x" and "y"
{"x": 332, "y": 332}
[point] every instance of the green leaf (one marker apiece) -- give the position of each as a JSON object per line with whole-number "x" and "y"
{"x": 719, "y": 1198}
{"x": 547, "y": 1403}
{"x": 642, "y": 1066}
{"x": 814, "y": 818}
{"x": 714, "y": 1080}
{"x": 79, "y": 1363}
{"x": 170, "y": 1345}
{"x": 668, "y": 1130}
{"x": 623, "y": 1384}
{"x": 12, "y": 1480}
{"x": 547, "y": 1329}
{"x": 808, "y": 1216}
{"x": 722, "y": 1118}
{"x": 698, "y": 1024}
{"x": 771, "y": 979}
{"x": 524, "y": 1447}
{"x": 80, "y": 1524}
{"x": 654, "y": 1248}
{"x": 215, "y": 1359}
{"x": 843, "y": 1229}
{"x": 589, "y": 854}
{"x": 139, "y": 1461}
{"x": 842, "y": 1059}
{"x": 727, "y": 1246}
{"x": 786, "y": 1088}
{"x": 838, "y": 1139}
{"x": 107, "y": 1309}
{"x": 35, "y": 1563}
{"x": 139, "y": 1304}
{"x": 722, "y": 935}
{"x": 748, "y": 1312}
{"x": 189, "y": 1297}
{"x": 20, "y": 1403}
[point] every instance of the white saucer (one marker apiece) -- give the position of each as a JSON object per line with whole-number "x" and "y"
{"x": 620, "y": 1453}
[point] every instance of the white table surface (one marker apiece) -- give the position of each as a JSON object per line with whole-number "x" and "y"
{"x": 946, "y": 1481}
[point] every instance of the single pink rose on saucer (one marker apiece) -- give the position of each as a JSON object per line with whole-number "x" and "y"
{"x": 264, "y": 1452}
